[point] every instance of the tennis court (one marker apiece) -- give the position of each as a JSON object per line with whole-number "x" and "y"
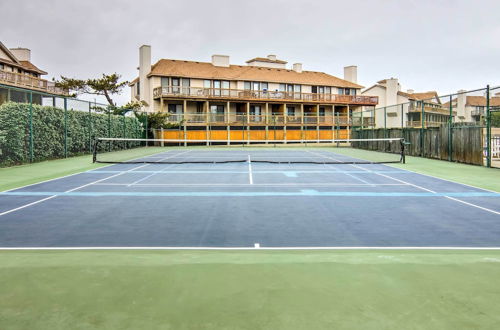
{"x": 324, "y": 198}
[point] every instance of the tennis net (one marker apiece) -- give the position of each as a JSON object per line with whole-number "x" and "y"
{"x": 172, "y": 151}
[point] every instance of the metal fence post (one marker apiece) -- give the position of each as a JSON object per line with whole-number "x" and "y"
{"x": 90, "y": 127}
{"x": 488, "y": 127}
{"x": 31, "y": 128}
{"x": 450, "y": 130}
{"x": 65, "y": 127}
{"x": 422, "y": 130}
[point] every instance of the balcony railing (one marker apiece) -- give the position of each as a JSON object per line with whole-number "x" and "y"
{"x": 244, "y": 119}
{"x": 29, "y": 82}
{"x": 249, "y": 95}
{"x": 418, "y": 123}
{"x": 431, "y": 109}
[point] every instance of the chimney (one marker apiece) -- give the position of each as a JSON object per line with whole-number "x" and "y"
{"x": 220, "y": 60}
{"x": 410, "y": 91}
{"x": 271, "y": 57}
{"x": 144, "y": 69}
{"x": 391, "y": 91}
{"x": 297, "y": 67}
{"x": 351, "y": 73}
{"x": 22, "y": 54}
{"x": 461, "y": 101}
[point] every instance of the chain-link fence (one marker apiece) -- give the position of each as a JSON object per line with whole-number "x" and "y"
{"x": 35, "y": 126}
{"x": 461, "y": 127}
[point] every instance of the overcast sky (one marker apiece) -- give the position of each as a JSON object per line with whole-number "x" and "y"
{"x": 442, "y": 45}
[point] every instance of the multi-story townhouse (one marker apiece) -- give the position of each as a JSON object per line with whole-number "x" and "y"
{"x": 404, "y": 109}
{"x": 472, "y": 108}
{"x": 17, "y": 70}
{"x": 258, "y": 101}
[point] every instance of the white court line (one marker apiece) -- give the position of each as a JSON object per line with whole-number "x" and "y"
{"x": 432, "y": 191}
{"x": 70, "y": 190}
{"x": 253, "y": 248}
{"x": 255, "y": 184}
{"x": 331, "y": 166}
{"x": 250, "y": 175}
{"x": 166, "y": 167}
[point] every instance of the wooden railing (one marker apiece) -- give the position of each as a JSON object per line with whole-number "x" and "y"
{"x": 249, "y": 95}
{"x": 26, "y": 81}
{"x": 244, "y": 119}
{"x": 418, "y": 123}
{"x": 430, "y": 109}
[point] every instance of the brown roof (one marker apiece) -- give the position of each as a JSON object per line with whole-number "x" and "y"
{"x": 478, "y": 101}
{"x": 265, "y": 59}
{"x": 28, "y": 66}
{"x": 424, "y": 96}
{"x": 204, "y": 70}
{"x": 133, "y": 81}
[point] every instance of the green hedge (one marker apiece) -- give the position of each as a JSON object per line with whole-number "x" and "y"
{"x": 48, "y": 132}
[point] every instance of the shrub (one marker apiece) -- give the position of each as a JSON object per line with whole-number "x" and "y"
{"x": 49, "y": 131}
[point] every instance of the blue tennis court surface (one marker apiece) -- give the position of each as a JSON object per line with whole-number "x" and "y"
{"x": 248, "y": 204}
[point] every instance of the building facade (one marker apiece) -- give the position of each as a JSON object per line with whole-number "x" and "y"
{"x": 472, "y": 108}
{"x": 261, "y": 100}
{"x": 404, "y": 109}
{"x": 16, "y": 70}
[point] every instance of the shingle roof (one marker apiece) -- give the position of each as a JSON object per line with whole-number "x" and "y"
{"x": 424, "y": 96}
{"x": 205, "y": 70}
{"x": 264, "y": 59}
{"x": 28, "y": 66}
{"x": 477, "y": 101}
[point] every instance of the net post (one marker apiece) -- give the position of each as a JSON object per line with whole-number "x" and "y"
{"x": 488, "y": 127}
{"x": 94, "y": 152}
{"x": 403, "y": 156}
{"x": 31, "y": 127}
{"x": 65, "y": 127}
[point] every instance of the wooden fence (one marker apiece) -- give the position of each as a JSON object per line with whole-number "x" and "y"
{"x": 466, "y": 142}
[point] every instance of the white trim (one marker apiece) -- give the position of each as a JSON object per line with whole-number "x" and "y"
{"x": 250, "y": 174}
{"x": 253, "y": 248}
{"x": 70, "y": 190}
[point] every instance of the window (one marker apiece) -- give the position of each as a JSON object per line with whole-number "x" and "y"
{"x": 175, "y": 108}
{"x": 328, "y": 90}
{"x": 247, "y": 85}
{"x": 321, "y": 111}
{"x": 314, "y": 89}
{"x": 290, "y": 111}
{"x": 217, "y": 109}
{"x": 347, "y": 91}
{"x": 2, "y": 66}
{"x": 321, "y": 90}
{"x": 164, "y": 81}
{"x": 185, "y": 86}
{"x": 138, "y": 85}
{"x": 340, "y": 91}
{"x": 255, "y": 110}
{"x": 206, "y": 83}
{"x": 199, "y": 106}
{"x": 175, "y": 85}
{"x": 256, "y": 86}
{"x": 217, "y": 85}
{"x": 264, "y": 86}
{"x": 282, "y": 87}
{"x": 225, "y": 87}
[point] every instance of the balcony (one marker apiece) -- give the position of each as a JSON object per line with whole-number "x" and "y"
{"x": 30, "y": 82}
{"x": 418, "y": 123}
{"x": 240, "y": 119}
{"x": 431, "y": 109}
{"x": 265, "y": 96}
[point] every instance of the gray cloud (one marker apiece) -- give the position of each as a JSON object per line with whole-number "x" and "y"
{"x": 443, "y": 45}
